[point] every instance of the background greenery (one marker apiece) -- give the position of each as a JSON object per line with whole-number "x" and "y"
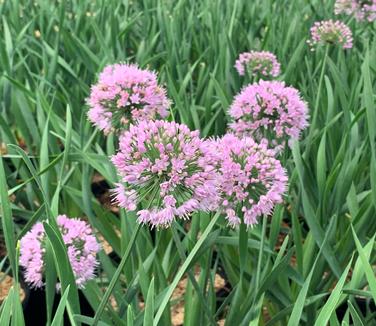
{"x": 314, "y": 254}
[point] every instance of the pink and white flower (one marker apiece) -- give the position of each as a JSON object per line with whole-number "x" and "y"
{"x": 81, "y": 244}
{"x": 255, "y": 63}
{"x": 164, "y": 164}
{"x": 251, "y": 180}
{"x": 332, "y": 32}
{"x": 125, "y": 94}
{"x": 271, "y": 110}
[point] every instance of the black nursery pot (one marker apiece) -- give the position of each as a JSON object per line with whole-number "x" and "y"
{"x": 35, "y": 307}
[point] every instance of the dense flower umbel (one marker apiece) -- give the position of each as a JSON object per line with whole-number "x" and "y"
{"x": 251, "y": 180}
{"x": 81, "y": 245}
{"x": 125, "y": 94}
{"x": 331, "y": 32}
{"x": 163, "y": 164}
{"x": 360, "y": 9}
{"x": 269, "y": 109}
{"x": 255, "y": 63}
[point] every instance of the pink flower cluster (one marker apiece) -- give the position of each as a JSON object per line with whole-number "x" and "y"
{"x": 253, "y": 63}
{"x": 81, "y": 245}
{"x": 125, "y": 94}
{"x": 361, "y": 10}
{"x": 164, "y": 164}
{"x": 271, "y": 110}
{"x": 251, "y": 180}
{"x": 331, "y": 32}
{"x": 167, "y": 172}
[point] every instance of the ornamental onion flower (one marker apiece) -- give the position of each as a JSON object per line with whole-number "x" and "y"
{"x": 251, "y": 180}
{"x": 331, "y": 32}
{"x": 360, "y": 9}
{"x": 164, "y": 165}
{"x": 255, "y": 63}
{"x": 125, "y": 94}
{"x": 269, "y": 109}
{"x": 81, "y": 245}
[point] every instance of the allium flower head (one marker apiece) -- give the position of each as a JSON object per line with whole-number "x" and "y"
{"x": 269, "y": 109}
{"x": 81, "y": 245}
{"x": 164, "y": 164}
{"x": 360, "y": 9}
{"x": 251, "y": 180}
{"x": 125, "y": 94}
{"x": 331, "y": 32}
{"x": 262, "y": 63}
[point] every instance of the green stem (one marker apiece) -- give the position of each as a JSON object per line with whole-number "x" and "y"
{"x": 116, "y": 276}
{"x": 192, "y": 277}
{"x": 258, "y": 271}
{"x": 183, "y": 269}
{"x": 256, "y": 302}
{"x": 317, "y": 102}
{"x": 243, "y": 247}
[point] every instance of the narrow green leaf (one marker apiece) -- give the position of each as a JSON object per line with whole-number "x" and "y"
{"x": 370, "y": 274}
{"x": 59, "y": 315}
{"x": 329, "y": 307}
{"x": 183, "y": 269}
{"x": 64, "y": 269}
{"x": 6, "y": 309}
{"x": 34, "y": 173}
{"x": 116, "y": 276}
{"x": 67, "y": 145}
{"x": 357, "y": 320}
{"x": 296, "y": 313}
{"x": 130, "y": 317}
{"x": 7, "y": 219}
{"x": 149, "y": 305}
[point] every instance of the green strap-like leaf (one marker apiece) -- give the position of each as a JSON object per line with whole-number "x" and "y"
{"x": 331, "y": 304}
{"x": 183, "y": 269}
{"x": 149, "y": 305}
{"x": 59, "y": 315}
{"x": 64, "y": 269}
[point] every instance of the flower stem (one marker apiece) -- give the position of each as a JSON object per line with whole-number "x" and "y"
{"x": 116, "y": 276}
{"x": 256, "y": 301}
{"x": 261, "y": 251}
{"x": 243, "y": 247}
